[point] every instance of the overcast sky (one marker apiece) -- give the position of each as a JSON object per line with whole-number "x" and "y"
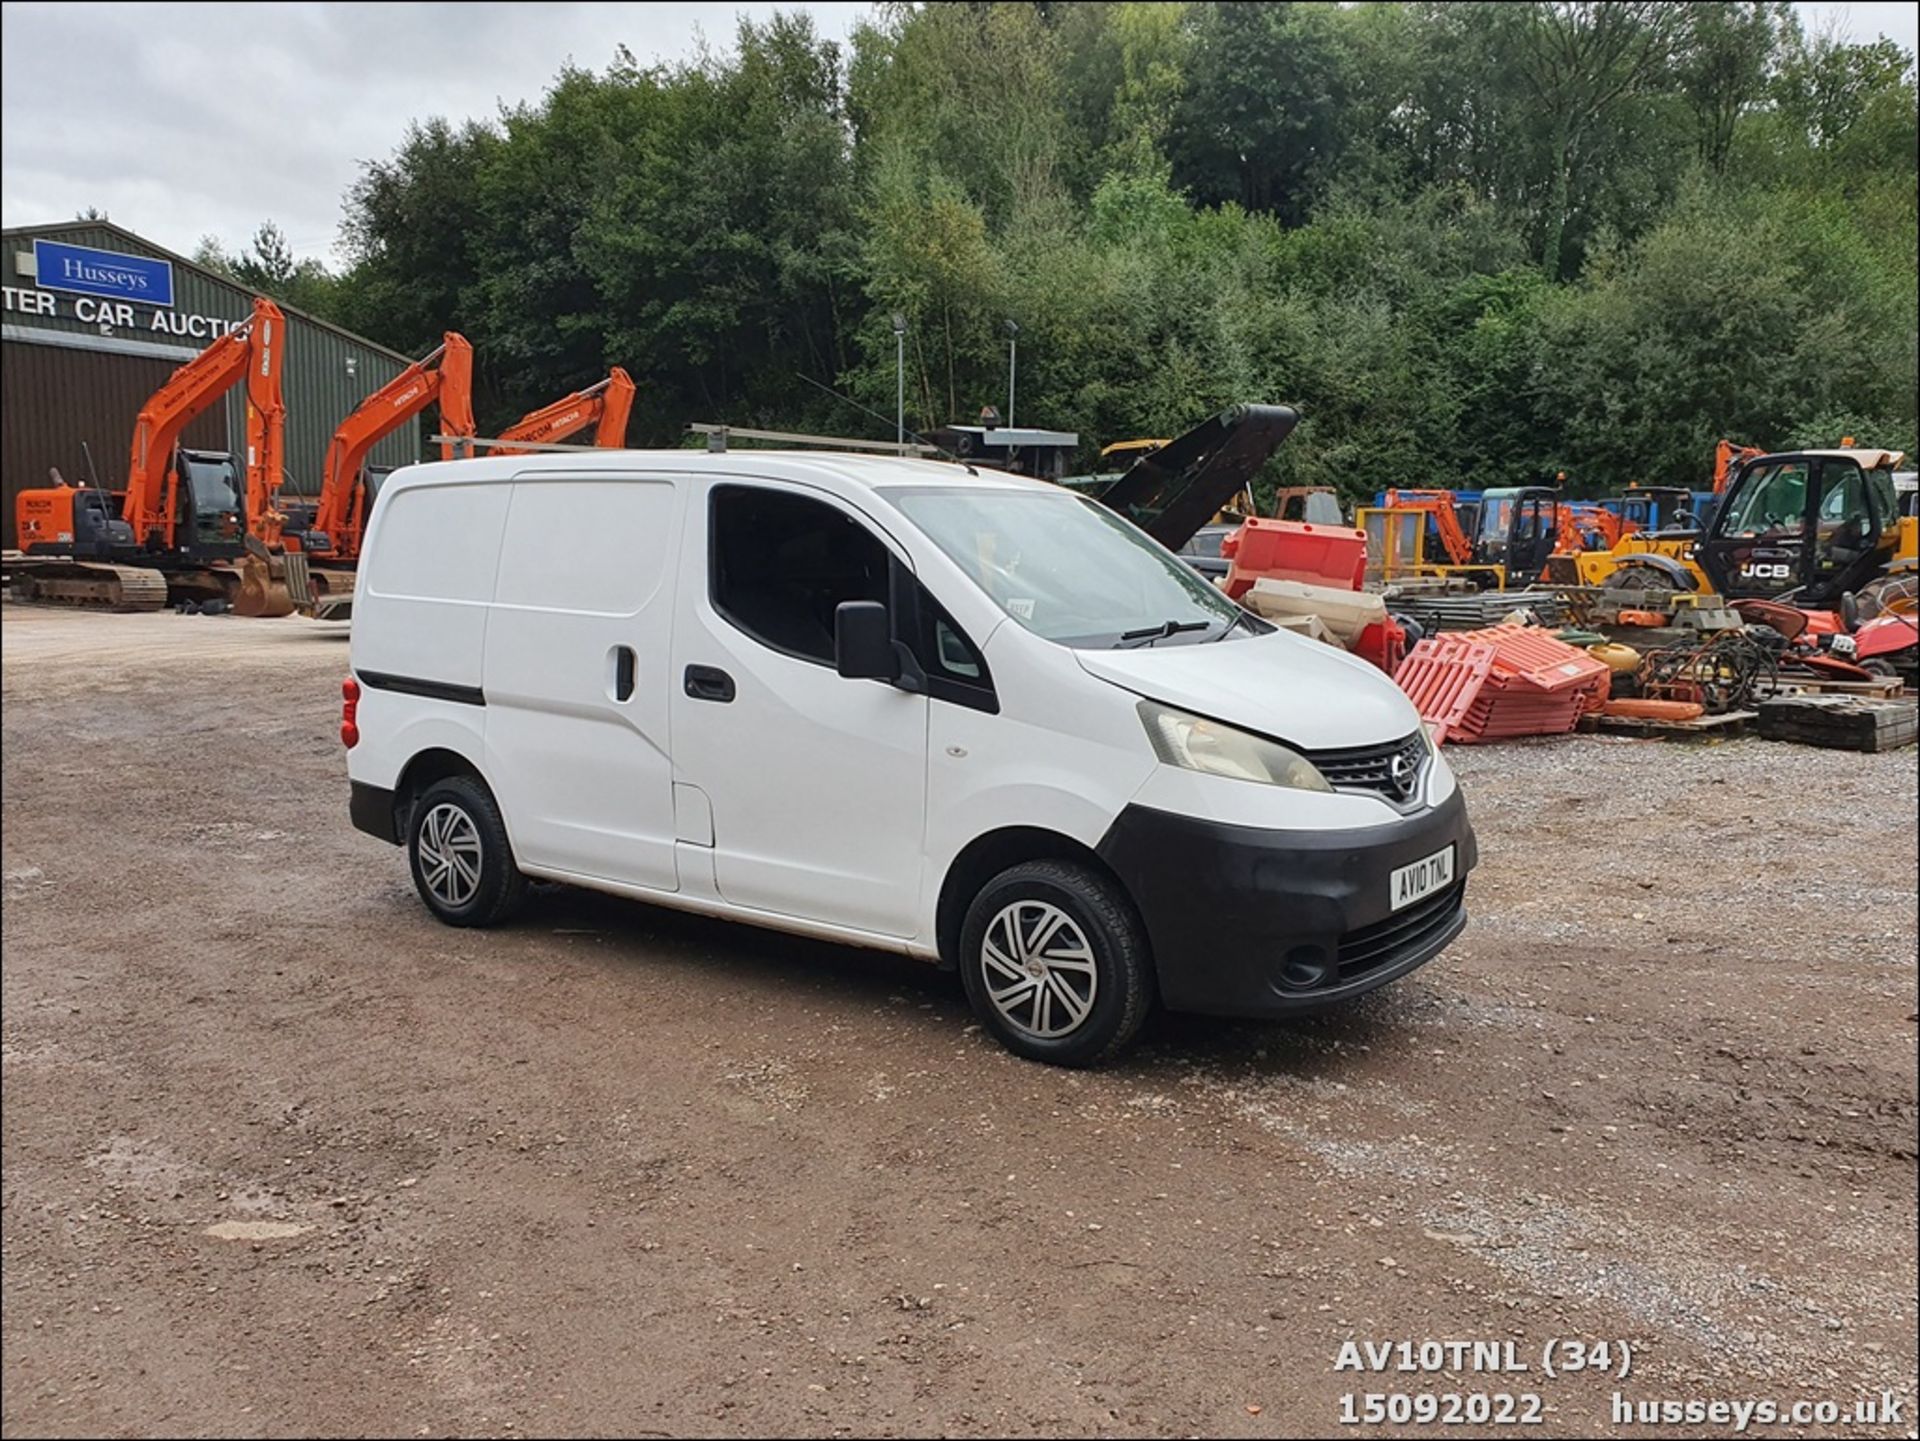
{"x": 187, "y": 120}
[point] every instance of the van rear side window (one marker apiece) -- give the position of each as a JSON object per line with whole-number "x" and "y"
{"x": 439, "y": 542}
{"x": 782, "y": 563}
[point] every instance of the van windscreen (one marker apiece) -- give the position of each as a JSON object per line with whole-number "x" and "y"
{"x": 1070, "y": 570}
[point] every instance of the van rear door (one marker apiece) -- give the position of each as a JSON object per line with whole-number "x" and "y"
{"x": 578, "y": 642}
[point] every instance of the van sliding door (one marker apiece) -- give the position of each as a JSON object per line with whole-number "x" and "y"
{"x": 577, "y": 682}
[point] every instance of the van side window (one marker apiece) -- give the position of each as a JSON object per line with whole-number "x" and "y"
{"x": 780, "y": 564}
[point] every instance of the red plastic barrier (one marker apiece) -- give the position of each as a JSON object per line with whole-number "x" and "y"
{"x": 1504, "y": 681}
{"x": 1384, "y": 643}
{"x": 1264, "y": 549}
{"x": 1533, "y": 655}
{"x": 1443, "y": 678}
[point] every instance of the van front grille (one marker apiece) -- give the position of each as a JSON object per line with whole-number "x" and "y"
{"x": 1391, "y": 771}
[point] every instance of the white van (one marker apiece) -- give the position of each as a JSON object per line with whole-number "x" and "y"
{"x": 972, "y": 718}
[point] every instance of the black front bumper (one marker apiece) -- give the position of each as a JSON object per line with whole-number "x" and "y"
{"x": 1253, "y": 922}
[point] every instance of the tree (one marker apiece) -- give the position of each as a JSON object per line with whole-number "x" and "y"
{"x": 410, "y": 237}
{"x": 1722, "y": 57}
{"x": 268, "y": 266}
{"x": 210, "y": 254}
{"x": 1262, "y": 116}
{"x": 1582, "y": 60}
{"x": 1475, "y": 243}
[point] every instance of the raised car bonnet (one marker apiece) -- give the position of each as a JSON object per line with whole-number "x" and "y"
{"x": 1282, "y": 685}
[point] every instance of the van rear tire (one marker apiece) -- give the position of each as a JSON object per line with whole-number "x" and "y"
{"x": 1056, "y": 964}
{"x": 461, "y": 859}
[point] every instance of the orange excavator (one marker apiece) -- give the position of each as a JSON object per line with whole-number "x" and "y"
{"x": 1583, "y": 525}
{"x": 1728, "y": 458}
{"x": 1439, "y": 507}
{"x": 331, "y": 527}
{"x": 185, "y": 516}
{"x": 604, "y": 405}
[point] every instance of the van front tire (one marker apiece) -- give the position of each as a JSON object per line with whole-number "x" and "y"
{"x": 1055, "y": 963}
{"x": 461, "y": 860}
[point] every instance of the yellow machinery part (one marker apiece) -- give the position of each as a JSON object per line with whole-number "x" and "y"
{"x": 1616, "y": 657}
{"x": 1594, "y": 566}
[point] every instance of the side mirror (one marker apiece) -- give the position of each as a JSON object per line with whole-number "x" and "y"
{"x": 863, "y": 641}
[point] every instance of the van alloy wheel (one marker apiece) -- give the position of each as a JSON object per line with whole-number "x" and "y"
{"x": 450, "y": 854}
{"x": 460, "y": 854}
{"x": 1055, "y": 962}
{"x": 1039, "y": 969}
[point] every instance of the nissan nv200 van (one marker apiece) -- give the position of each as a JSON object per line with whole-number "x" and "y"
{"x": 969, "y": 717}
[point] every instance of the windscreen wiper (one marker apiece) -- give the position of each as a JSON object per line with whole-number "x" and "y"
{"x": 1232, "y": 625}
{"x": 1130, "y": 638}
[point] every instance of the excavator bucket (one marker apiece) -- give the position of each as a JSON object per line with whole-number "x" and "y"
{"x": 263, "y": 582}
{"x": 1177, "y": 489}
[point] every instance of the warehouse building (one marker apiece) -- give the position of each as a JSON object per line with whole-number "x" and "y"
{"x": 95, "y": 321}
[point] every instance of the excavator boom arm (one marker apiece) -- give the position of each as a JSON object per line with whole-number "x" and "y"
{"x": 187, "y": 393}
{"x": 445, "y": 376}
{"x": 604, "y": 406}
{"x": 266, "y": 420}
{"x": 1728, "y": 458}
{"x": 1439, "y": 505}
{"x": 610, "y": 433}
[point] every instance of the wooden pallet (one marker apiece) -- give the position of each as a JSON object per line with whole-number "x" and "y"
{"x": 1707, "y": 727}
{"x": 1883, "y": 687}
{"x": 1842, "y": 722}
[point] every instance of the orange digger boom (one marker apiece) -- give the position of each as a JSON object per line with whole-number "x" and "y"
{"x": 444, "y": 377}
{"x": 1439, "y": 505}
{"x": 1727, "y": 458}
{"x": 150, "y": 506}
{"x": 604, "y": 406}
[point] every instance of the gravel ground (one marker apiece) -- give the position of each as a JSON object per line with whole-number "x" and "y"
{"x": 283, "y": 1157}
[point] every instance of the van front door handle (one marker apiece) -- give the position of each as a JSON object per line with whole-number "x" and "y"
{"x": 705, "y": 682}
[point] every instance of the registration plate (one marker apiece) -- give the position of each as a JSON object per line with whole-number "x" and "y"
{"x": 1422, "y": 878}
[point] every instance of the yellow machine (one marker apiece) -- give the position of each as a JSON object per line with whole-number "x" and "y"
{"x": 1641, "y": 561}
{"x": 1397, "y": 547}
{"x": 1898, "y": 591}
{"x": 1123, "y": 453}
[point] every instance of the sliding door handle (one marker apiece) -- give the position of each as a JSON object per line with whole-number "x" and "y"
{"x": 705, "y": 682}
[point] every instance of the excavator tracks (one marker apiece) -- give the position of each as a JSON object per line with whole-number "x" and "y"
{"x": 88, "y": 585}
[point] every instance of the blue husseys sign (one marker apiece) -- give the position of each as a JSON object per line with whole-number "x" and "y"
{"x": 102, "y": 272}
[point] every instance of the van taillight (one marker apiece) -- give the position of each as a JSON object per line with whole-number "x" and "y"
{"x": 349, "y": 712}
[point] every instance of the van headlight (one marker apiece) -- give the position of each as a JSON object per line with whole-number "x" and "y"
{"x": 1196, "y": 744}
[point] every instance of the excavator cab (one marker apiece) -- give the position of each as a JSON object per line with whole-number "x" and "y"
{"x": 1819, "y": 523}
{"x": 1517, "y": 529}
{"x": 211, "y": 517}
{"x": 1653, "y": 508}
{"x": 1313, "y": 504}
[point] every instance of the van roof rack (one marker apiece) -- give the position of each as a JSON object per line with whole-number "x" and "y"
{"x": 718, "y": 436}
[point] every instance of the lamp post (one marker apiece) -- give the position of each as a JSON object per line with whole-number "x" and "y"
{"x": 900, "y": 380}
{"x": 1013, "y": 348}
